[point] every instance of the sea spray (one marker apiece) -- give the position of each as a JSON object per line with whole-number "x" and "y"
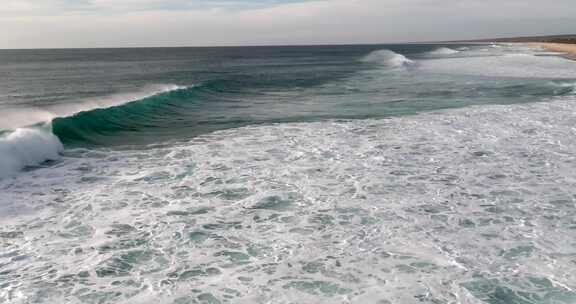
{"x": 26, "y": 147}
{"x": 387, "y": 58}
{"x": 22, "y": 117}
{"x": 443, "y": 51}
{"x": 510, "y": 64}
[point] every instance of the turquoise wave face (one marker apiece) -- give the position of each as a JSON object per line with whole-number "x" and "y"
{"x": 184, "y": 113}
{"x": 138, "y": 119}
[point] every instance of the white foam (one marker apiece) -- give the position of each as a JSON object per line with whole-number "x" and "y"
{"x": 388, "y": 58}
{"x": 21, "y": 117}
{"x": 25, "y": 147}
{"x": 570, "y": 85}
{"x": 28, "y": 146}
{"x": 516, "y": 61}
{"x": 443, "y": 51}
{"x": 368, "y": 211}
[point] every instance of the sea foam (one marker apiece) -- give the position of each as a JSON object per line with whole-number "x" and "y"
{"x": 26, "y": 147}
{"x": 443, "y": 51}
{"x": 506, "y": 61}
{"x": 282, "y": 213}
{"x": 388, "y": 58}
{"x": 22, "y": 144}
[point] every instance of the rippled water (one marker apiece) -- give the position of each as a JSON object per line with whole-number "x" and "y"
{"x": 473, "y": 203}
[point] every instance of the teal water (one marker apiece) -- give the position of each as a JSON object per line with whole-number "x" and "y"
{"x": 141, "y": 96}
{"x": 327, "y": 174}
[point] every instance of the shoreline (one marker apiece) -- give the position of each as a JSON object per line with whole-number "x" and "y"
{"x": 568, "y": 49}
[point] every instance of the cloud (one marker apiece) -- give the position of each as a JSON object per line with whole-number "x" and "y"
{"x": 66, "y": 7}
{"x": 101, "y": 23}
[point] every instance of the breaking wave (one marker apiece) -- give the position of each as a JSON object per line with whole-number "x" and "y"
{"x": 17, "y": 117}
{"x": 95, "y": 126}
{"x": 26, "y": 147}
{"x": 509, "y": 62}
{"x": 388, "y": 58}
{"x": 443, "y": 51}
{"x": 42, "y": 138}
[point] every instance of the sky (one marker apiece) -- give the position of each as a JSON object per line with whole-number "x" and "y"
{"x": 148, "y": 23}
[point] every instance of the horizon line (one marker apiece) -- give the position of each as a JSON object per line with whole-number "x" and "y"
{"x": 472, "y": 41}
{"x": 236, "y": 46}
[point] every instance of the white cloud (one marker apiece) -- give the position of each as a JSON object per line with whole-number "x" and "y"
{"x": 126, "y": 23}
{"x": 65, "y": 7}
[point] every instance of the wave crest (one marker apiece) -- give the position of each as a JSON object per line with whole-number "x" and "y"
{"x": 388, "y": 58}
{"x": 26, "y": 140}
{"x": 18, "y": 118}
{"x": 443, "y": 51}
{"x": 26, "y": 147}
{"x": 133, "y": 119}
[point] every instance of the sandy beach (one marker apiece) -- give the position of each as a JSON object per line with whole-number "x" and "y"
{"x": 569, "y": 49}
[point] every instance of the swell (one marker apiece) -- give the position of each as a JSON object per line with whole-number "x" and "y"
{"x": 26, "y": 147}
{"x": 33, "y": 145}
{"x": 22, "y": 117}
{"x": 158, "y": 112}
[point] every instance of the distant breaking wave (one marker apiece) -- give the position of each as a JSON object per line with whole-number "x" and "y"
{"x": 516, "y": 62}
{"x": 443, "y": 51}
{"x": 388, "y": 58}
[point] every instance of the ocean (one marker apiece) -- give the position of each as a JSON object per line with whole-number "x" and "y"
{"x": 409, "y": 173}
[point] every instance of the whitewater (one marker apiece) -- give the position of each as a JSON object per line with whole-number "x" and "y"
{"x": 383, "y": 174}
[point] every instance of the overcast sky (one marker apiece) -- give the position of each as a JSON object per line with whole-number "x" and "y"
{"x": 130, "y": 23}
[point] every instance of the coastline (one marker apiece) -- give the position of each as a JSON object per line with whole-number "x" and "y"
{"x": 568, "y": 49}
